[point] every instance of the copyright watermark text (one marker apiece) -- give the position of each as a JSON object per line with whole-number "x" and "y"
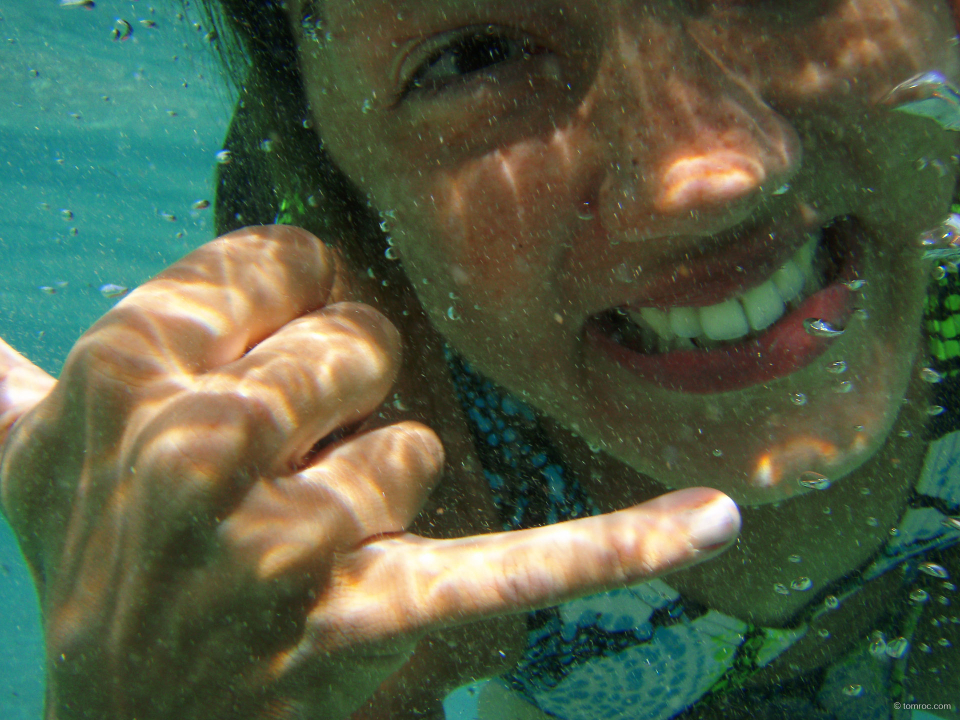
{"x": 921, "y": 706}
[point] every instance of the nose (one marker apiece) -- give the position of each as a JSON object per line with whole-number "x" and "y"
{"x": 692, "y": 146}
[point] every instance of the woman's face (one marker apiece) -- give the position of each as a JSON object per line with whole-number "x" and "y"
{"x": 624, "y": 212}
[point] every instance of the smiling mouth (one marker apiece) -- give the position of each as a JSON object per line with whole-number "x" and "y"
{"x": 749, "y": 337}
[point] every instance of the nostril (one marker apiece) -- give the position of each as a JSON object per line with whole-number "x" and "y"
{"x": 702, "y": 182}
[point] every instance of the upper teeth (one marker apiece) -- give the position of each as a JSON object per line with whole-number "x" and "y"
{"x": 754, "y": 310}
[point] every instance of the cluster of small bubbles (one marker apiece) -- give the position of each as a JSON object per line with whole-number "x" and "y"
{"x": 798, "y": 398}
{"x": 929, "y": 375}
{"x": 897, "y": 648}
{"x": 934, "y": 570}
{"x": 837, "y": 367}
{"x": 919, "y": 595}
{"x": 934, "y": 410}
{"x": 872, "y": 522}
{"x": 823, "y": 633}
{"x": 821, "y": 328}
{"x": 951, "y": 522}
{"x": 795, "y": 558}
{"x": 781, "y": 589}
{"x": 814, "y": 481}
{"x": 801, "y": 584}
{"x": 853, "y": 690}
{"x": 452, "y": 313}
{"x": 831, "y": 602}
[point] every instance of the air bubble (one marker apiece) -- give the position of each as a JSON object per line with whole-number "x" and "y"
{"x": 872, "y": 522}
{"x": 919, "y": 595}
{"x": 896, "y": 649}
{"x": 905, "y": 434}
{"x": 943, "y": 642}
{"x": 855, "y": 285}
{"x": 934, "y": 570}
{"x": 864, "y": 491}
{"x": 878, "y": 648}
{"x": 781, "y": 589}
{"x": 823, "y": 633}
{"x": 853, "y": 690}
{"x": 930, "y": 375}
{"x": 814, "y": 481}
{"x": 452, "y": 313}
{"x": 801, "y": 584}
{"x": 821, "y": 328}
{"x": 939, "y": 272}
{"x": 934, "y": 410}
{"x": 844, "y": 387}
{"x": 798, "y": 399}
{"x": 831, "y": 602}
{"x": 951, "y": 522}
{"x": 585, "y": 212}
{"x": 718, "y": 453}
{"x": 795, "y": 558}
{"x": 391, "y": 253}
{"x": 837, "y": 367}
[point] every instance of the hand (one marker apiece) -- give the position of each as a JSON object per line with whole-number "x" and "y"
{"x": 215, "y": 533}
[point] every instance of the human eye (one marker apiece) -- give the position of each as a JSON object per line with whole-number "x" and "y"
{"x": 457, "y": 59}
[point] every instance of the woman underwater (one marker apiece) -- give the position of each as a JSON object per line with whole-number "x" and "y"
{"x": 629, "y": 236}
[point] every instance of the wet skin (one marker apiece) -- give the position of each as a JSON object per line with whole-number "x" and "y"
{"x": 685, "y": 132}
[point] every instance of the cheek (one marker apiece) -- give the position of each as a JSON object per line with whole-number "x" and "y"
{"x": 490, "y": 231}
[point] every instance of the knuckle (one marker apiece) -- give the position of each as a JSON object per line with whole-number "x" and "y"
{"x": 423, "y": 443}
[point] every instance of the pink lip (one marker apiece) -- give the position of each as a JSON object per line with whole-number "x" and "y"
{"x": 783, "y": 349}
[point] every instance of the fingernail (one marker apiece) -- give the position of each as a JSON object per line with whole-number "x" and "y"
{"x": 715, "y": 524}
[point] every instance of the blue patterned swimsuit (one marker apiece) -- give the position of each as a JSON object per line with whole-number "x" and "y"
{"x": 645, "y": 652}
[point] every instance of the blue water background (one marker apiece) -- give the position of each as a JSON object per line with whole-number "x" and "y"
{"x": 119, "y": 134}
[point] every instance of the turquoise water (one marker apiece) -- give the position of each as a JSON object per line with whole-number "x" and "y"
{"x": 101, "y": 144}
{"x": 118, "y": 165}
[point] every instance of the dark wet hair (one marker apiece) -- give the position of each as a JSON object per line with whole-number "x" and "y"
{"x": 278, "y": 165}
